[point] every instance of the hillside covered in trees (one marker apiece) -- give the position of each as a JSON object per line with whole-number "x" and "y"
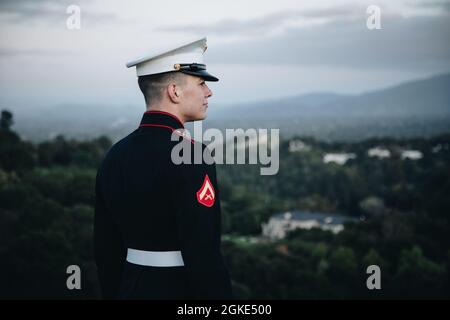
{"x": 402, "y": 204}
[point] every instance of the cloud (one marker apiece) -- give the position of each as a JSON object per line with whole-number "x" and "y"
{"x": 29, "y": 9}
{"x": 266, "y": 24}
{"x": 47, "y": 11}
{"x": 403, "y": 43}
{"x": 444, "y": 5}
{"x": 9, "y": 52}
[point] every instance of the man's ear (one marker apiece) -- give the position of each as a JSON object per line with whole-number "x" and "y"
{"x": 172, "y": 91}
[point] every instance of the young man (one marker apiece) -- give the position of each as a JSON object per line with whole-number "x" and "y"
{"x": 157, "y": 224}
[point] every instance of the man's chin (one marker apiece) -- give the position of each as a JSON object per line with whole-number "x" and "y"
{"x": 198, "y": 118}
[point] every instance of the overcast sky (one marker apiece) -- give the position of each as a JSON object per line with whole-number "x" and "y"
{"x": 259, "y": 49}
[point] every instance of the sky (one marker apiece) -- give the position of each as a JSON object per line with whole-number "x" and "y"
{"x": 259, "y": 49}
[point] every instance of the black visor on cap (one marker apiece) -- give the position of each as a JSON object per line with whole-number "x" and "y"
{"x": 202, "y": 74}
{"x": 196, "y": 69}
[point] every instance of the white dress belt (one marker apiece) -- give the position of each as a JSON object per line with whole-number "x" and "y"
{"x": 155, "y": 258}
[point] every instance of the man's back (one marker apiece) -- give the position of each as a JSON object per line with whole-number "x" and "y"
{"x": 146, "y": 203}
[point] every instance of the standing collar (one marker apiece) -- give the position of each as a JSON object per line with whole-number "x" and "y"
{"x": 161, "y": 119}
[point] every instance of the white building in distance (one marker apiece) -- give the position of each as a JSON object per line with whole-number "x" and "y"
{"x": 339, "y": 158}
{"x": 378, "y": 152}
{"x": 439, "y": 147}
{"x": 411, "y": 154}
{"x": 280, "y": 224}
{"x": 298, "y": 146}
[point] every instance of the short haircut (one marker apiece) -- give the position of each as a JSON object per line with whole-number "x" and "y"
{"x": 152, "y": 86}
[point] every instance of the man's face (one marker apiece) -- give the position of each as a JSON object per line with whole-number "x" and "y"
{"x": 195, "y": 94}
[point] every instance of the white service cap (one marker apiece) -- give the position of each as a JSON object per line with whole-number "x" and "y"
{"x": 187, "y": 58}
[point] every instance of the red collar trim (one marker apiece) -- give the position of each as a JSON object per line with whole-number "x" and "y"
{"x": 166, "y": 127}
{"x": 166, "y": 113}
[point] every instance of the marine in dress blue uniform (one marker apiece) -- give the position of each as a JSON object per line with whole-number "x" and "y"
{"x": 157, "y": 223}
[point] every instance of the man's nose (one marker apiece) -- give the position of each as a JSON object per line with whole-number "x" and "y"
{"x": 208, "y": 92}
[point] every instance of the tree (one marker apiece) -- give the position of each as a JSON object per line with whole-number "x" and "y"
{"x": 6, "y": 120}
{"x": 15, "y": 154}
{"x": 418, "y": 276}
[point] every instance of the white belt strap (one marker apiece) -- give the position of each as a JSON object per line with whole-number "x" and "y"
{"x": 155, "y": 258}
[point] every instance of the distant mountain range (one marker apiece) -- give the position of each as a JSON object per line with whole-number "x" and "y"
{"x": 417, "y": 108}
